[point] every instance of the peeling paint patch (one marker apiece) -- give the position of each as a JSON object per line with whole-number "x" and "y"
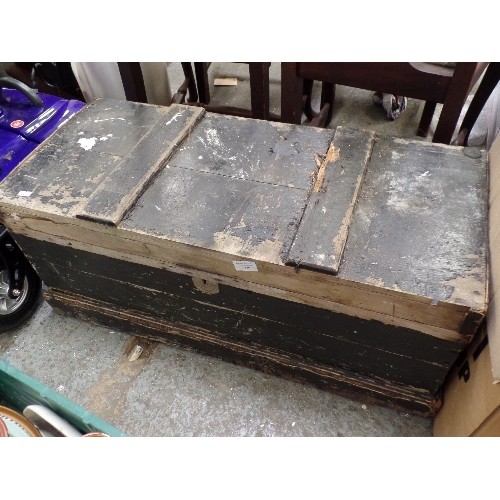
{"x": 173, "y": 119}
{"x": 87, "y": 144}
{"x": 108, "y": 119}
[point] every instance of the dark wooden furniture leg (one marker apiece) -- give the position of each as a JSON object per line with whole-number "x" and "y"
{"x": 486, "y": 87}
{"x": 426, "y": 118}
{"x": 452, "y": 106}
{"x": 307, "y": 98}
{"x": 201, "y": 71}
{"x": 323, "y": 118}
{"x": 188, "y": 87}
{"x": 259, "y": 88}
{"x": 133, "y": 82}
{"x": 328, "y": 99}
{"x": 292, "y": 88}
{"x": 191, "y": 82}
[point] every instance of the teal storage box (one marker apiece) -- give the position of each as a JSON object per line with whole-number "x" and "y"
{"x": 18, "y": 390}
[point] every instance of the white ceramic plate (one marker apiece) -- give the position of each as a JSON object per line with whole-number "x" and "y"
{"x": 17, "y": 425}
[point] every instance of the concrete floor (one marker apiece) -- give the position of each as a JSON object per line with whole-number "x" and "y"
{"x": 171, "y": 392}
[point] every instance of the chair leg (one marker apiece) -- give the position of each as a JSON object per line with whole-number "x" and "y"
{"x": 190, "y": 82}
{"x": 426, "y": 119}
{"x": 133, "y": 81}
{"x": 328, "y": 98}
{"x": 307, "y": 99}
{"x": 486, "y": 87}
{"x": 292, "y": 87}
{"x": 456, "y": 96}
{"x": 259, "y": 89}
{"x": 201, "y": 71}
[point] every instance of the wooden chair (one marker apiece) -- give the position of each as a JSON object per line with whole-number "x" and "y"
{"x": 432, "y": 83}
{"x": 259, "y": 91}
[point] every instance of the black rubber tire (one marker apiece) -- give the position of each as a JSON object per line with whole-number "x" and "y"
{"x": 30, "y": 302}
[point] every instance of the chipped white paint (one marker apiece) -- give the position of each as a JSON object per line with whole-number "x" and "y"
{"x": 87, "y": 144}
{"x": 109, "y": 119}
{"x": 173, "y": 119}
{"x": 24, "y": 194}
{"x": 213, "y": 137}
{"x": 375, "y": 281}
{"x": 323, "y": 209}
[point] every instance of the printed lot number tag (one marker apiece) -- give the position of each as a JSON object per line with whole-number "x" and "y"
{"x": 244, "y": 265}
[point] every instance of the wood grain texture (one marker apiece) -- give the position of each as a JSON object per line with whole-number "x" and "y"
{"x": 368, "y": 301}
{"x": 69, "y": 166}
{"x": 120, "y": 189}
{"x": 367, "y": 347}
{"x": 321, "y": 237}
{"x": 420, "y": 225}
{"x": 255, "y": 150}
{"x": 236, "y": 189}
{"x": 268, "y": 360}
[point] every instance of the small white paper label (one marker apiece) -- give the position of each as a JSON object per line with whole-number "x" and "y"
{"x": 24, "y": 194}
{"x": 244, "y": 265}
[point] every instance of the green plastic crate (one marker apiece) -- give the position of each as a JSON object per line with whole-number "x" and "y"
{"x": 18, "y": 390}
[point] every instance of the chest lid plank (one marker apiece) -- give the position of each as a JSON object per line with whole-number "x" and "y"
{"x": 321, "y": 237}
{"x": 420, "y": 224}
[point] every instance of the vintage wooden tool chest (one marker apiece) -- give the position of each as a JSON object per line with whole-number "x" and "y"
{"x": 353, "y": 261}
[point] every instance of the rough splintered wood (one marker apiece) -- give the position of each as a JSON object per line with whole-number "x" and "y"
{"x": 420, "y": 223}
{"x": 121, "y": 188}
{"x": 322, "y": 233}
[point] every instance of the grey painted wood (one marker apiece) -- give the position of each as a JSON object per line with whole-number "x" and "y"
{"x": 274, "y": 153}
{"x": 67, "y": 168}
{"x": 240, "y": 217}
{"x": 117, "y": 193}
{"x": 235, "y": 185}
{"x": 420, "y": 223}
{"x": 322, "y": 234}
